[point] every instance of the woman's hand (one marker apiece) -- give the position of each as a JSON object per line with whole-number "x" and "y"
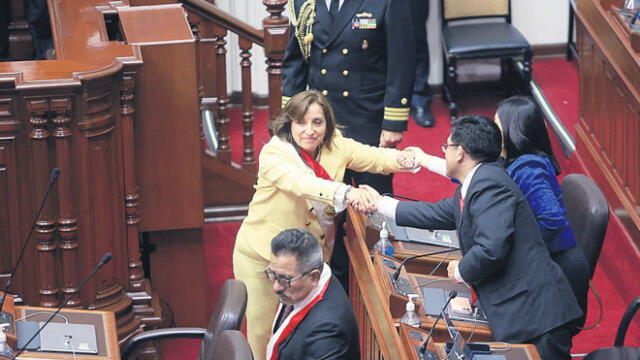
{"x": 422, "y": 159}
{"x": 360, "y": 199}
{"x": 363, "y": 199}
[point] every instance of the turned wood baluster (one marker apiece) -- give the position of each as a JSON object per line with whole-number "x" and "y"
{"x": 132, "y": 194}
{"x": 276, "y": 36}
{"x": 67, "y": 221}
{"x": 222, "y": 120}
{"x": 248, "y": 159}
{"x": 45, "y": 225}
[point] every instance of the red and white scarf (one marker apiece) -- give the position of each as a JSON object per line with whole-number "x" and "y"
{"x": 300, "y": 310}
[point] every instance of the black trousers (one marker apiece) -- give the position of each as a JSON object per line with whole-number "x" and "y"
{"x": 340, "y": 259}
{"x": 421, "y": 92}
{"x": 555, "y": 344}
{"x": 575, "y": 267}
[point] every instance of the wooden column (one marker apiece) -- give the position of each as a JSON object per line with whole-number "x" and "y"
{"x": 67, "y": 220}
{"x": 38, "y": 109}
{"x": 276, "y": 36}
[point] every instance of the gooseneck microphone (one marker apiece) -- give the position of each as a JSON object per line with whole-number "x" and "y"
{"x": 52, "y": 180}
{"x": 423, "y": 348}
{"x": 397, "y": 272}
{"x": 105, "y": 259}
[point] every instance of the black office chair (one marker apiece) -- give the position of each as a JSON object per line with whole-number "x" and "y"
{"x": 228, "y": 315}
{"x": 618, "y": 351}
{"x": 588, "y": 214}
{"x": 485, "y": 40}
{"x": 231, "y": 345}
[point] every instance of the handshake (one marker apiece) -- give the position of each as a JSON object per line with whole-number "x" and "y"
{"x": 365, "y": 199}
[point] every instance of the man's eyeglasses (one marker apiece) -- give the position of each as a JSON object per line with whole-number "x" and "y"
{"x": 446, "y": 146}
{"x": 284, "y": 281}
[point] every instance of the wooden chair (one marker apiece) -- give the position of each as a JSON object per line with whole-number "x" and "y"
{"x": 481, "y": 40}
{"x": 228, "y": 315}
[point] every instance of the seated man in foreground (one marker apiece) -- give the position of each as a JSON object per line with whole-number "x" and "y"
{"x": 526, "y": 296}
{"x": 314, "y": 319}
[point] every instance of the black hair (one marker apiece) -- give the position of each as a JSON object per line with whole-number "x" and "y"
{"x": 524, "y": 130}
{"x": 302, "y": 245}
{"x": 478, "y": 136}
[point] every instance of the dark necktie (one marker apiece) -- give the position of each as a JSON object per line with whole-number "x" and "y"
{"x": 333, "y": 9}
{"x": 286, "y": 310}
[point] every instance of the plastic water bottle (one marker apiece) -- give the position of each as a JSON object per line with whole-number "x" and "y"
{"x": 410, "y": 317}
{"x": 384, "y": 245}
{"x": 4, "y": 348}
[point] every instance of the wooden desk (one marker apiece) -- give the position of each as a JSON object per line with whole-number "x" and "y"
{"x": 478, "y": 332}
{"x": 368, "y": 292}
{"x": 517, "y": 352}
{"x": 403, "y": 250}
{"x": 104, "y": 321}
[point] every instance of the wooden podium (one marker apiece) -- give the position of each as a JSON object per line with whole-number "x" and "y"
{"x": 117, "y": 112}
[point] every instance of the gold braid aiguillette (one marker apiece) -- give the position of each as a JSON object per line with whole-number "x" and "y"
{"x": 303, "y": 25}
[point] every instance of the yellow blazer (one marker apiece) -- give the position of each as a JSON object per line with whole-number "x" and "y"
{"x": 286, "y": 187}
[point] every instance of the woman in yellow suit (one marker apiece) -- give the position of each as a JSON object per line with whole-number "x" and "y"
{"x": 300, "y": 186}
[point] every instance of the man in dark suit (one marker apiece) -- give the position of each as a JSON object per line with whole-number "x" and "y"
{"x": 361, "y": 55}
{"x": 524, "y": 293}
{"x": 314, "y": 319}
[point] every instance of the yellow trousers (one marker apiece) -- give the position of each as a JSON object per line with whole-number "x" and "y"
{"x": 248, "y": 266}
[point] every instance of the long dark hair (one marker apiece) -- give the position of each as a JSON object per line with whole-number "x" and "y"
{"x": 524, "y": 130}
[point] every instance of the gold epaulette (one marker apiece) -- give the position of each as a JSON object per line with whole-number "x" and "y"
{"x": 399, "y": 114}
{"x": 285, "y": 100}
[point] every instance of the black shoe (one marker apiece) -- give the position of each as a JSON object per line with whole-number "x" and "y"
{"x": 423, "y": 116}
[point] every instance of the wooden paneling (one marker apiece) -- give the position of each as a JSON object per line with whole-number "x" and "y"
{"x": 608, "y": 130}
{"x": 168, "y": 147}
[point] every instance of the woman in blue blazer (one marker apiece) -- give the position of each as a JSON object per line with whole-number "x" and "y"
{"x": 531, "y": 164}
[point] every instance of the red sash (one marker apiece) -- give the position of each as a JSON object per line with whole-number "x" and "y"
{"x": 315, "y": 166}
{"x": 297, "y": 318}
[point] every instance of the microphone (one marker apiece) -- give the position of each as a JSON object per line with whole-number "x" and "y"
{"x": 103, "y": 261}
{"x": 423, "y": 348}
{"x": 397, "y": 272}
{"x": 399, "y": 197}
{"x": 54, "y": 176}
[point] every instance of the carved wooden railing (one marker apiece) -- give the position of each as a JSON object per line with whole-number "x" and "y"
{"x": 229, "y": 186}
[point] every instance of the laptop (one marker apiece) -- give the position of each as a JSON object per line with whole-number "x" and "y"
{"x": 445, "y": 238}
{"x": 69, "y": 338}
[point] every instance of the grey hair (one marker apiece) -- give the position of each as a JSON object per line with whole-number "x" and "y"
{"x": 302, "y": 245}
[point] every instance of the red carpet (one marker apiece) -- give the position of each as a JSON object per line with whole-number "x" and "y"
{"x": 615, "y": 277}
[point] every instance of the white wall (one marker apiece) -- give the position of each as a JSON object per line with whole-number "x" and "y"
{"x": 543, "y": 22}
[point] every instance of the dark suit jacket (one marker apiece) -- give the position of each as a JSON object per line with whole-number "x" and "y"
{"x": 524, "y": 293}
{"x": 367, "y": 74}
{"x": 329, "y": 331}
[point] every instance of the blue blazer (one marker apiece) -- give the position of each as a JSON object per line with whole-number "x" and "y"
{"x": 523, "y": 291}
{"x": 536, "y": 177}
